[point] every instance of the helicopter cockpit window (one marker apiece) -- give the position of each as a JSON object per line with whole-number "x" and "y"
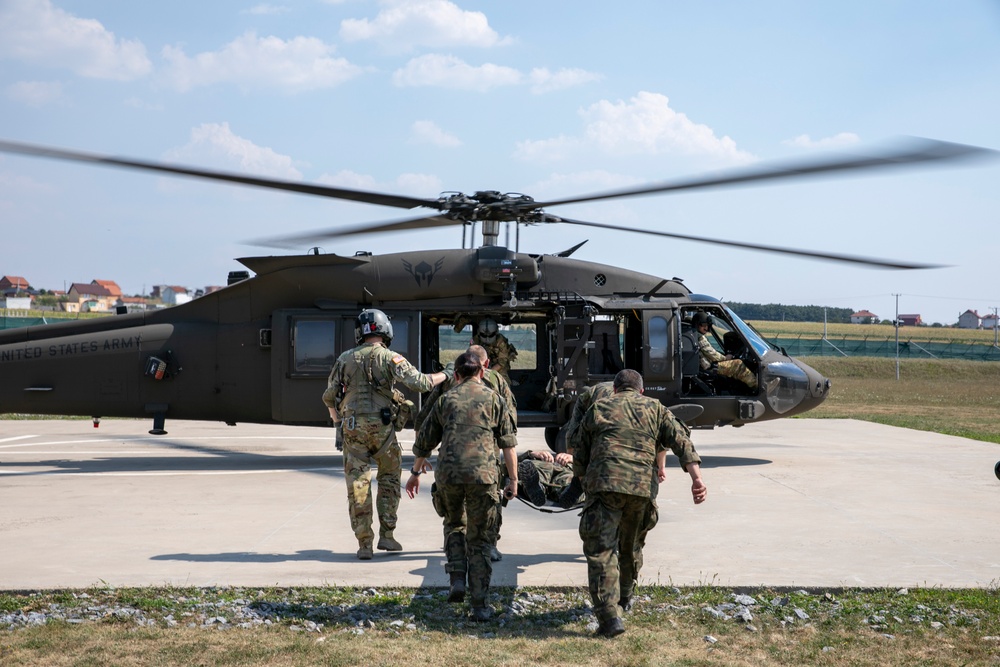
{"x": 759, "y": 345}
{"x": 315, "y": 346}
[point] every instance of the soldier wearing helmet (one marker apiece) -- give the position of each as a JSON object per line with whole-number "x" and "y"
{"x": 487, "y": 334}
{"x": 724, "y": 363}
{"x": 362, "y": 398}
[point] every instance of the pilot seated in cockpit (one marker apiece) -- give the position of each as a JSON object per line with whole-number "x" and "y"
{"x": 724, "y": 364}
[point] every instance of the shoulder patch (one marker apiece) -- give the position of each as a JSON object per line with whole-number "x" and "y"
{"x": 398, "y": 359}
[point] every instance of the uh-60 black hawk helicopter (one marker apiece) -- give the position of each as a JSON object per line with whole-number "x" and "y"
{"x": 259, "y": 350}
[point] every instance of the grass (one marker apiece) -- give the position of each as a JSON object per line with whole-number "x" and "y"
{"x": 877, "y": 331}
{"x": 694, "y": 626}
{"x": 953, "y": 397}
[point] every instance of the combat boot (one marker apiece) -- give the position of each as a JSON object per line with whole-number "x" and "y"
{"x": 457, "y": 591}
{"x": 387, "y": 543}
{"x": 365, "y": 551}
{"x": 611, "y": 628}
{"x": 530, "y": 484}
{"x": 481, "y": 614}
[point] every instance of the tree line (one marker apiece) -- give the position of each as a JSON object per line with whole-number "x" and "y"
{"x": 778, "y": 312}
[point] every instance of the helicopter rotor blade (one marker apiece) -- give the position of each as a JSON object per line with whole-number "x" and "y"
{"x": 398, "y": 201}
{"x": 910, "y": 153}
{"x": 305, "y": 238}
{"x": 811, "y": 254}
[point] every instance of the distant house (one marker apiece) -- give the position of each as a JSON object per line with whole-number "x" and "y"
{"x": 15, "y": 302}
{"x": 110, "y": 285}
{"x": 88, "y": 297}
{"x": 11, "y": 285}
{"x": 910, "y": 320}
{"x": 991, "y": 321}
{"x": 212, "y": 288}
{"x": 132, "y": 303}
{"x": 970, "y": 319}
{"x": 864, "y": 317}
{"x": 174, "y": 295}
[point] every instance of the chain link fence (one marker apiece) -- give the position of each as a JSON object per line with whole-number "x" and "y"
{"x": 833, "y": 346}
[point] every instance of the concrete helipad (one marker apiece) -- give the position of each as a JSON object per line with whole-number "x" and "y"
{"x": 796, "y": 502}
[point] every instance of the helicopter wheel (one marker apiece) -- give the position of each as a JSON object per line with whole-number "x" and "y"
{"x": 552, "y": 437}
{"x": 996, "y": 469}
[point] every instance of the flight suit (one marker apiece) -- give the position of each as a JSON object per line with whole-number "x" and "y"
{"x": 732, "y": 368}
{"x": 360, "y": 388}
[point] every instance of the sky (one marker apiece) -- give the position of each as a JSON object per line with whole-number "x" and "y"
{"x": 551, "y": 99}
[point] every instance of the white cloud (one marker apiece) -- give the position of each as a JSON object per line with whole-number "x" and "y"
{"x": 544, "y": 81}
{"x": 842, "y": 139}
{"x": 451, "y": 72}
{"x": 644, "y": 125}
{"x": 402, "y": 25}
{"x": 428, "y": 132}
{"x": 265, "y": 9}
{"x": 252, "y": 62}
{"x": 414, "y": 185}
{"x": 33, "y": 31}
{"x": 215, "y": 143}
{"x": 34, "y": 93}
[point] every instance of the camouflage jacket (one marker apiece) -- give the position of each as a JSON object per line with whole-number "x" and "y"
{"x": 501, "y": 353}
{"x": 620, "y": 437}
{"x": 587, "y": 398}
{"x": 709, "y": 355}
{"x": 362, "y": 379}
{"x": 470, "y": 421}
{"x": 491, "y": 379}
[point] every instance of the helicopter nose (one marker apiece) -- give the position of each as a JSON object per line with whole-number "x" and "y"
{"x": 792, "y": 387}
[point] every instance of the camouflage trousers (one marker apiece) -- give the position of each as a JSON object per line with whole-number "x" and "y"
{"x": 554, "y": 477}
{"x": 736, "y": 369}
{"x": 493, "y": 533}
{"x": 371, "y": 440}
{"x": 613, "y": 527}
{"x": 470, "y": 513}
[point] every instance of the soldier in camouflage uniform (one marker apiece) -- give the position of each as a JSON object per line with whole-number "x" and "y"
{"x": 587, "y": 398}
{"x": 543, "y": 476}
{"x": 470, "y": 422}
{"x": 487, "y": 334}
{"x": 360, "y": 396}
{"x": 497, "y": 383}
{"x": 622, "y": 460}
{"x": 724, "y": 363}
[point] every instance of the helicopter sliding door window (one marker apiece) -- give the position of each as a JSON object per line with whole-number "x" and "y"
{"x": 659, "y": 361}
{"x": 314, "y": 346}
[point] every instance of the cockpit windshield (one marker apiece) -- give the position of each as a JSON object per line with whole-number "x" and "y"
{"x": 756, "y": 341}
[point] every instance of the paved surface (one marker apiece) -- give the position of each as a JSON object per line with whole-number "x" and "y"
{"x": 796, "y": 502}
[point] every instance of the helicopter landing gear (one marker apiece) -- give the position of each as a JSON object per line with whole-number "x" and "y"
{"x": 996, "y": 469}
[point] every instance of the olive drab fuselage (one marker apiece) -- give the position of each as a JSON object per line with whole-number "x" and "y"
{"x": 260, "y": 350}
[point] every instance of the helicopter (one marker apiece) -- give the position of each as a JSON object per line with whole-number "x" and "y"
{"x": 260, "y": 349}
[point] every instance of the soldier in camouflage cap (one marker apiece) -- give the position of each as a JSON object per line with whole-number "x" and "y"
{"x": 621, "y": 460}
{"x": 470, "y": 422}
{"x": 363, "y": 401}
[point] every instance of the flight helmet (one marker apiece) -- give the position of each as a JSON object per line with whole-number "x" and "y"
{"x": 372, "y": 321}
{"x": 488, "y": 330}
{"x": 699, "y": 318}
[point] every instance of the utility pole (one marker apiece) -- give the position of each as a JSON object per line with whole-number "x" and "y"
{"x": 896, "y": 323}
{"x": 995, "y": 323}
